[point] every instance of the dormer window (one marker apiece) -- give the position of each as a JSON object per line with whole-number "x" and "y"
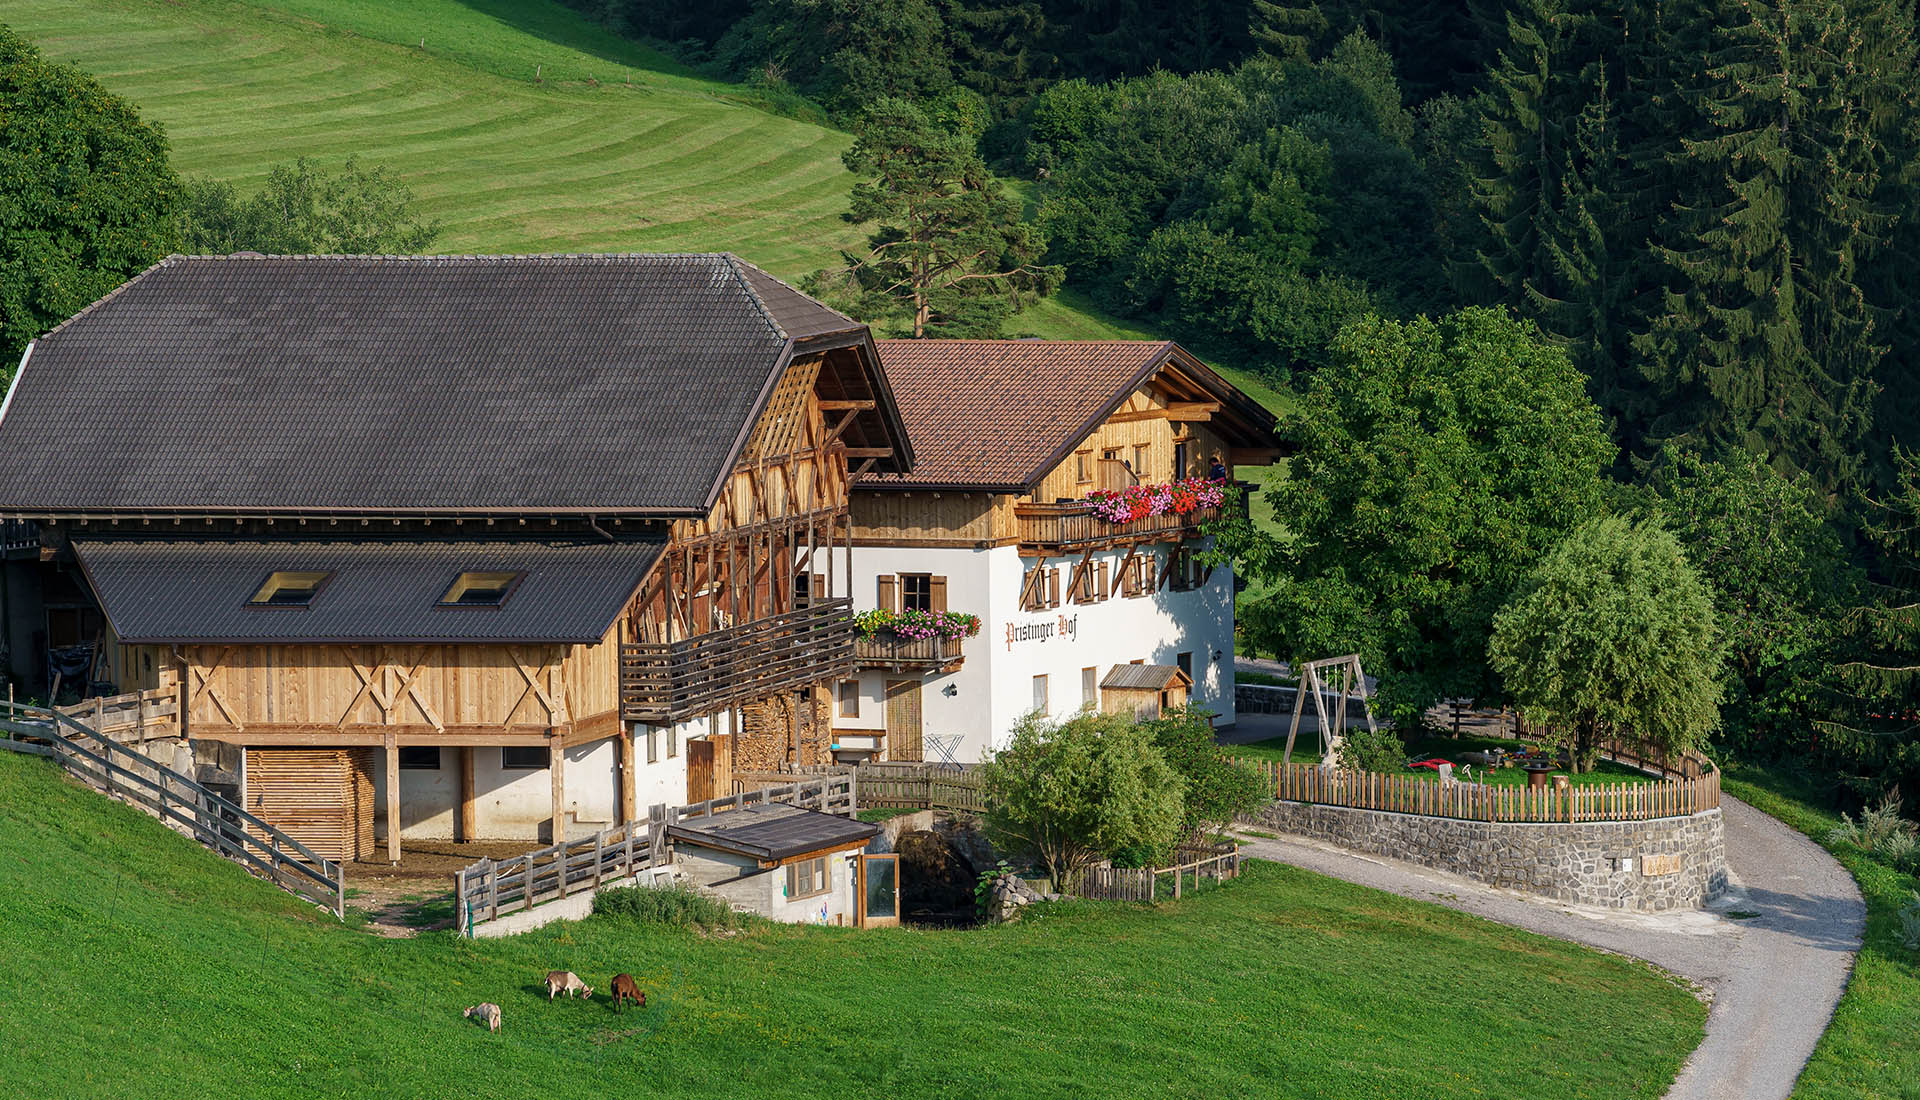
{"x": 480, "y": 589}
{"x": 289, "y": 588}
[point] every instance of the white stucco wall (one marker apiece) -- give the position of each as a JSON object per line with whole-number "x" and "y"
{"x": 509, "y": 803}
{"x": 994, "y": 687}
{"x": 764, "y": 892}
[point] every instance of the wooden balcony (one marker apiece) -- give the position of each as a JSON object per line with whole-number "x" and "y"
{"x": 675, "y": 681}
{"x": 1062, "y": 528}
{"x": 896, "y": 654}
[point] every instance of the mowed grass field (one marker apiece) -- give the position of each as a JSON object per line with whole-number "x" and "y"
{"x": 138, "y": 965}
{"x": 581, "y": 161}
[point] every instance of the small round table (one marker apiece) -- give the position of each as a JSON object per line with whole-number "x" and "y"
{"x": 1537, "y": 774}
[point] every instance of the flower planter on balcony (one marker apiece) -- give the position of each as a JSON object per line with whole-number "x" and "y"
{"x": 889, "y": 651}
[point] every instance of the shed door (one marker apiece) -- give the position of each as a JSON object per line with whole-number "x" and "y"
{"x": 903, "y": 720}
{"x": 700, "y": 758}
{"x": 878, "y": 893}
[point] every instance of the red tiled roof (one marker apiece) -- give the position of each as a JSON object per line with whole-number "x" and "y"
{"x": 996, "y": 415}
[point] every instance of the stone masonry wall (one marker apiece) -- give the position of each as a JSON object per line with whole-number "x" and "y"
{"x": 1592, "y": 863}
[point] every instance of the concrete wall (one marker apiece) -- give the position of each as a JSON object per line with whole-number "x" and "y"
{"x": 1591, "y": 863}
{"x": 740, "y": 882}
{"x": 994, "y": 688}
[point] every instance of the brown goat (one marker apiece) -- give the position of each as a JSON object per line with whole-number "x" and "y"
{"x": 625, "y": 989}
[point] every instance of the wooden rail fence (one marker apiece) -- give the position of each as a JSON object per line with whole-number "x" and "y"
{"x": 664, "y": 682}
{"x": 485, "y": 890}
{"x": 177, "y": 800}
{"x": 137, "y": 716}
{"x": 1407, "y": 794}
{"x": 893, "y": 784}
{"x": 491, "y": 887}
{"x": 1143, "y": 883}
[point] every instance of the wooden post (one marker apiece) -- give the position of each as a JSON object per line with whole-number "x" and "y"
{"x": 493, "y": 890}
{"x": 468, "y": 824}
{"x": 557, "y": 771}
{"x": 656, "y": 832}
{"x": 625, "y": 742}
{"x": 460, "y": 902}
{"x": 393, "y": 798}
{"x": 599, "y": 855}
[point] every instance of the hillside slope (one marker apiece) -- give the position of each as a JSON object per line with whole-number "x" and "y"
{"x": 138, "y": 965}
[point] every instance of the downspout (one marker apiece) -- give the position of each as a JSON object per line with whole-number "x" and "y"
{"x": 601, "y": 531}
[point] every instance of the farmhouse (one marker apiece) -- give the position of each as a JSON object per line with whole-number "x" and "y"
{"x": 453, "y": 548}
{"x": 994, "y": 520}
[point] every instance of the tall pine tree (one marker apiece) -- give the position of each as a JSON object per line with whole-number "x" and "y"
{"x": 1768, "y": 340}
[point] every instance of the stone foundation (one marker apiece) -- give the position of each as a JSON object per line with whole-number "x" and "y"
{"x": 1671, "y": 863}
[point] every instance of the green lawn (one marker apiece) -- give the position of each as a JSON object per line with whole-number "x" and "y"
{"x": 139, "y": 965}
{"x": 1872, "y": 1048}
{"x": 1306, "y": 751}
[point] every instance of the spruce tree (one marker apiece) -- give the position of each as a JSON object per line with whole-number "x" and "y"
{"x": 1768, "y": 338}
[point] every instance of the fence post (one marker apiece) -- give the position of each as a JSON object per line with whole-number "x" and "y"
{"x": 459, "y": 902}
{"x": 339, "y": 889}
{"x": 493, "y": 890}
{"x": 599, "y": 854}
{"x": 853, "y": 793}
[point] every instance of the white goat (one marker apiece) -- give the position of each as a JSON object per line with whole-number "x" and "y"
{"x": 566, "y": 981}
{"x": 487, "y": 1012}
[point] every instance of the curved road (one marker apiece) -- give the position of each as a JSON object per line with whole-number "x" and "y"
{"x": 1774, "y": 977}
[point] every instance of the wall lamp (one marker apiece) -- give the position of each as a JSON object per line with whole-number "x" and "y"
{"x": 950, "y": 690}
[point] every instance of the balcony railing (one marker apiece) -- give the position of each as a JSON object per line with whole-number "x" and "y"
{"x": 890, "y": 651}
{"x": 675, "y": 681}
{"x": 1074, "y": 526}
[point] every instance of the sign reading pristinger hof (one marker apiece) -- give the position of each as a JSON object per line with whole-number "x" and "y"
{"x": 1066, "y": 627}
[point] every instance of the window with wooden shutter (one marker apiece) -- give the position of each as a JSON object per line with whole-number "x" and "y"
{"x": 1149, "y": 574}
{"x": 1053, "y": 587}
{"x": 1033, "y": 589}
{"x": 849, "y": 698}
{"x": 937, "y": 588}
{"x": 888, "y": 598}
{"x": 1083, "y": 467}
{"x": 1103, "y": 586}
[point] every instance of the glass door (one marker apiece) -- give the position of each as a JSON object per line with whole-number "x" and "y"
{"x": 879, "y": 891}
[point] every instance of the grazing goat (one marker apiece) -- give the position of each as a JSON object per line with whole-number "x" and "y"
{"x": 626, "y": 989}
{"x": 566, "y": 981}
{"x": 487, "y": 1013}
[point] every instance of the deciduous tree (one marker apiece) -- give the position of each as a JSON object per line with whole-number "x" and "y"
{"x": 1438, "y": 460}
{"x": 86, "y": 195}
{"x": 1613, "y": 634}
{"x": 1081, "y": 790}
{"x": 306, "y": 210}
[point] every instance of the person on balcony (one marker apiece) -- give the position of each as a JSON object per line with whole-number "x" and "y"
{"x": 1218, "y": 470}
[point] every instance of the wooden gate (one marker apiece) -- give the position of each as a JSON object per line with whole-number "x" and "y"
{"x": 700, "y": 769}
{"x": 903, "y": 720}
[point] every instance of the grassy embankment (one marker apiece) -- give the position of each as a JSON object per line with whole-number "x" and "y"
{"x": 139, "y": 965}
{"x": 1872, "y": 1048}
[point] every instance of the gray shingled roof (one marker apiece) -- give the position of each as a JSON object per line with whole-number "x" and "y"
{"x": 1144, "y": 677}
{"x": 157, "y": 591}
{"x": 774, "y": 831}
{"x": 471, "y": 383}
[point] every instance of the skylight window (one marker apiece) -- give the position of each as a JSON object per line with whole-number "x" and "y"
{"x": 289, "y": 588}
{"x": 480, "y": 589}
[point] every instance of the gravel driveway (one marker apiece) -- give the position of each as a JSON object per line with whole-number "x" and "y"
{"x": 1774, "y": 977}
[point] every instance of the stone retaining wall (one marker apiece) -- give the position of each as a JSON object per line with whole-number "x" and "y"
{"x": 1262, "y": 699}
{"x": 1670, "y": 863}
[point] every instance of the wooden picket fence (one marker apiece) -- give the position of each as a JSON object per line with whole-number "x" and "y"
{"x": 177, "y": 800}
{"x": 1216, "y": 864}
{"x": 1408, "y": 794}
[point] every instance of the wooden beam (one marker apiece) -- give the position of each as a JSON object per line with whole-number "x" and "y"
{"x": 869, "y": 452}
{"x": 1253, "y": 456}
{"x": 393, "y": 798}
{"x": 1179, "y": 411}
{"x": 593, "y": 728}
{"x": 296, "y": 733}
{"x": 627, "y": 804}
{"x": 557, "y": 769}
{"x": 842, "y": 406}
{"x": 468, "y": 825}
